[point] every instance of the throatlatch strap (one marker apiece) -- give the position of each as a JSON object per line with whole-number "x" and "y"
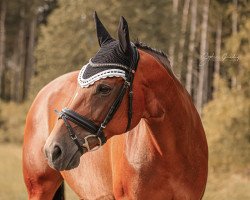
{"x": 134, "y": 65}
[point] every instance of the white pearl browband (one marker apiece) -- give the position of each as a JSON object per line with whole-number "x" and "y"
{"x": 101, "y": 75}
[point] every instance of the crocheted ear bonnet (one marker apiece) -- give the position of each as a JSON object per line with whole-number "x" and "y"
{"x": 110, "y": 61}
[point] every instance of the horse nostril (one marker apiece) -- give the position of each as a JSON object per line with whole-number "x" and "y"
{"x": 56, "y": 153}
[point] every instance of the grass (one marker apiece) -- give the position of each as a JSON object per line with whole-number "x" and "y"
{"x": 228, "y": 187}
{"x": 220, "y": 187}
{"x": 11, "y": 128}
{"x": 11, "y": 178}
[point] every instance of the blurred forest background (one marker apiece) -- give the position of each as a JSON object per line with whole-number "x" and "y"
{"x": 208, "y": 43}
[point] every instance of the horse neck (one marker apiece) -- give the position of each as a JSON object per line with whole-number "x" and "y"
{"x": 169, "y": 113}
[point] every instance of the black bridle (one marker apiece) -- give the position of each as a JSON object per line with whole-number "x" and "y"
{"x": 95, "y": 130}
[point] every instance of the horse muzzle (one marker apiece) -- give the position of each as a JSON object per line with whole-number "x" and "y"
{"x": 61, "y": 157}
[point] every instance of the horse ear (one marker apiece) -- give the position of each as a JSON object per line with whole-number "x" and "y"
{"x": 102, "y": 34}
{"x": 123, "y": 35}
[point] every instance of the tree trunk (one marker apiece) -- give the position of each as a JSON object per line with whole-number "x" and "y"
{"x": 235, "y": 17}
{"x": 217, "y": 54}
{"x": 3, "y": 9}
{"x": 234, "y": 32}
{"x": 210, "y": 80}
{"x": 29, "y": 57}
{"x": 205, "y": 91}
{"x": 173, "y": 35}
{"x": 183, "y": 36}
{"x": 218, "y": 47}
{"x": 21, "y": 47}
{"x": 13, "y": 68}
{"x": 191, "y": 47}
{"x": 203, "y": 61}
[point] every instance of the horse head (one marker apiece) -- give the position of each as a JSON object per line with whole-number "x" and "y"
{"x": 103, "y": 104}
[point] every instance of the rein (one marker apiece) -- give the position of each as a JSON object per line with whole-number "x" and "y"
{"x": 97, "y": 130}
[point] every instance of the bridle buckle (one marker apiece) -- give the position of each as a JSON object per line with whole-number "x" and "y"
{"x": 103, "y": 126}
{"x": 127, "y": 83}
{"x": 73, "y": 137}
{"x": 86, "y": 143}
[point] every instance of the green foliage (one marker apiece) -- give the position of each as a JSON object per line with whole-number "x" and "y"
{"x": 239, "y": 45}
{"x": 69, "y": 38}
{"x": 226, "y": 121}
{"x": 227, "y": 116}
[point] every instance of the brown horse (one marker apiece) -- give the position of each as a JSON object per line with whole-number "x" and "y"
{"x": 163, "y": 154}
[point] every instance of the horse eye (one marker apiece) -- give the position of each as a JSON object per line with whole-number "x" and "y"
{"x": 103, "y": 89}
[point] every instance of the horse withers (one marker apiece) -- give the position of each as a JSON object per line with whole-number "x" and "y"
{"x": 126, "y": 129}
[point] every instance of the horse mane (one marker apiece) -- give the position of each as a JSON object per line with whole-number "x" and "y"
{"x": 158, "y": 54}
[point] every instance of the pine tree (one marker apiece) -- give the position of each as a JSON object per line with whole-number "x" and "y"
{"x": 3, "y": 10}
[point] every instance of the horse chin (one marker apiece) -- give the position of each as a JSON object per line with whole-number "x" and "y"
{"x": 74, "y": 161}
{"x": 66, "y": 164}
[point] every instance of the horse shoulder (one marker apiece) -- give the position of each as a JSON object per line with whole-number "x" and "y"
{"x": 132, "y": 156}
{"x": 42, "y": 181}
